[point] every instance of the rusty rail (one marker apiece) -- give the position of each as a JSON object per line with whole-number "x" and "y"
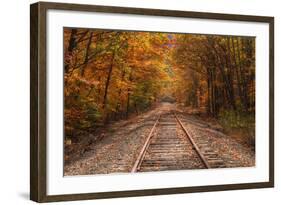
{"x": 205, "y": 162}
{"x": 144, "y": 148}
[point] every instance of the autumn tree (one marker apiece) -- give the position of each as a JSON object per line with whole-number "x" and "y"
{"x": 109, "y": 75}
{"x": 220, "y": 71}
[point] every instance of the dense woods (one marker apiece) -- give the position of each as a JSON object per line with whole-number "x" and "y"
{"x": 218, "y": 71}
{"x": 110, "y": 75}
{"x": 216, "y": 75}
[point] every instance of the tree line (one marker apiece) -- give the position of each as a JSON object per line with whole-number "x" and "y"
{"x": 109, "y": 75}
{"x": 218, "y": 71}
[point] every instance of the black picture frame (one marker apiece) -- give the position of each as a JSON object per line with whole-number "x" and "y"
{"x": 38, "y": 102}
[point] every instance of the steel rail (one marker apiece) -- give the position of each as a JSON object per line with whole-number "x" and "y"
{"x": 188, "y": 134}
{"x": 140, "y": 158}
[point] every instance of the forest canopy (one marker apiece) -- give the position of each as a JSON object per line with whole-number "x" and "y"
{"x": 110, "y": 75}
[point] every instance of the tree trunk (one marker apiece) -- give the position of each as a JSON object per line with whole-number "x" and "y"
{"x": 108, "y": 81}
{"x": 86, "y": 55}
{"x": 128, "y": 98}
{"x": 208, "y": 93}
{"x": 237, "y": 73}
{"x": 219, "y": 63}
{"x": 230, "y": 74}
{"x": 128, "y": 104}
{"x": 242, "y": 74}
{"x": 71, "y": 46}
{"x": 118, "y": 105}
{"x": 136, "y": 108}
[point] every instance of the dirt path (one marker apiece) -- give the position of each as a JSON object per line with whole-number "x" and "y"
{"x": 121, "y": 145}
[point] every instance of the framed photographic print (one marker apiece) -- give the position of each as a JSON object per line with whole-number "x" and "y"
{"x": 134, "y": 102}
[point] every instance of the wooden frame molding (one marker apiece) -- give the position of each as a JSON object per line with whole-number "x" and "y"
{"x": 38, "y": 100}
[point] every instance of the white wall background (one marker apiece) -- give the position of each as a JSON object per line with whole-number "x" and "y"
{"x": 14, "y": 101}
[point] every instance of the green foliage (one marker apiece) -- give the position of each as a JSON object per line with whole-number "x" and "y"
{"x": 239, "y": 122}
{"x": 236, "y": 119}
{"x": 79, "y": 115}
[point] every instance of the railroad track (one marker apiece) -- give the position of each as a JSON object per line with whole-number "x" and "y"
{"x": 171, "y": 145}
